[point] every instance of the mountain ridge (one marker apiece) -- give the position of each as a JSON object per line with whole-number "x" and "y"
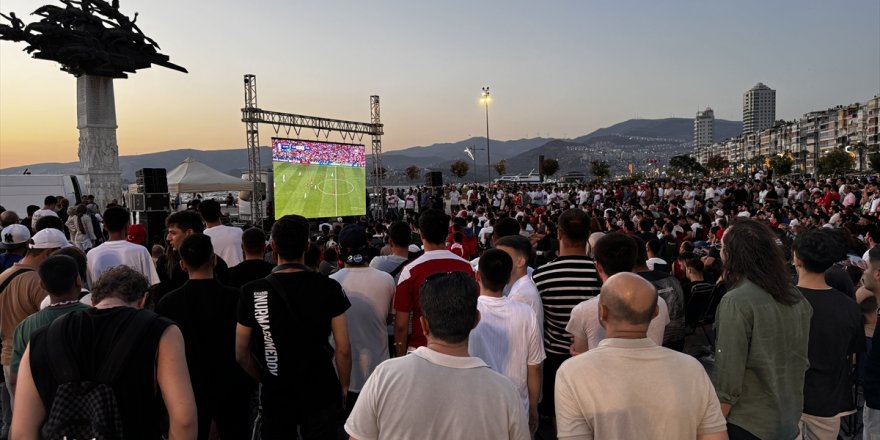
{"x": 521, "y": 154}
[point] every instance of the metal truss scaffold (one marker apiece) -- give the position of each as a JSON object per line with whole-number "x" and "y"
{"x": 252, "y": 116}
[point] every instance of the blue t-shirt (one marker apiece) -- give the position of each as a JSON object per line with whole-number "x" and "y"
{"x": 7, "y": 260}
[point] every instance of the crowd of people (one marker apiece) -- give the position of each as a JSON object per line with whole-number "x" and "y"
{"x": 319, "y": 153}
{"x": 711, "y": 309}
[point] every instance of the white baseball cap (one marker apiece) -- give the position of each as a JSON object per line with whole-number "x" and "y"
{"x": 14, "y": 235}
{"x": 49, "y": 238}
{"x": 794, "y": 222}
{"x": 719, "y": 213}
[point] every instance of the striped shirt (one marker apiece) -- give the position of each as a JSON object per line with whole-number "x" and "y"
{"x": 564, "y": 283}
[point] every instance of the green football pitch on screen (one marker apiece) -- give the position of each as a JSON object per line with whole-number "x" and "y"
{"x": 316, "y": 191}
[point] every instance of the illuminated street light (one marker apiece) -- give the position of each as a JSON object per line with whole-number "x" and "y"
{"x": 485, "y": 98}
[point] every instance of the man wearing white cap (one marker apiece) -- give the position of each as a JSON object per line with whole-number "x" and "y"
{"x": 21, "y": 294}
{"x": 13, "y": 240}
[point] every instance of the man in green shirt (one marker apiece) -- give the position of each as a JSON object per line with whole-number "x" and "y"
{"x": 763, "y": 328}
{"x": 59, "y": 275}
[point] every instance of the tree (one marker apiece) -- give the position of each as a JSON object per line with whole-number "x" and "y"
{"x": 781, "y": 164}
{"x": 501, "y": 167}
{"x": 600, "y": 169}
{"x": 717, "y": 163}
{"x": 835, "y": 162}
{"x": 413, "y": 172}
{"x": 459, "y": 168}
{"x": 382, "y": 172}
{"x": 686, "y": 164}
{"x": 549, "y": 167}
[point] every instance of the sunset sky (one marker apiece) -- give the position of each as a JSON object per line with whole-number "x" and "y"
{"x": 556, "y": 68}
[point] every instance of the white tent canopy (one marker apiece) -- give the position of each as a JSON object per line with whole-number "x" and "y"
{"x": 192, "y": 176}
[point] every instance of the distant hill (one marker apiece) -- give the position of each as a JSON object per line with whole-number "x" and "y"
{"x": 232, "y": 162}
{"x": 626, "y": 142}
{"x": 617, "y": 150}
{"x": 669, "y": 128}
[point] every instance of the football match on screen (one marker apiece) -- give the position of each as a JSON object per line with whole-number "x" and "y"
{"x": 318, "y": 179}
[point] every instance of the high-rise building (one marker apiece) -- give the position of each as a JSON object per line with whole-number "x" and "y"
{"x": 759, "y": 108}
{"x": 704, "y": 128}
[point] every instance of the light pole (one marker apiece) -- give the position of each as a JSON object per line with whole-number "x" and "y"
{"x": 484, "y": 99}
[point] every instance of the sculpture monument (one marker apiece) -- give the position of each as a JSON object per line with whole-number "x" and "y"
{"x": 93, "y": 41}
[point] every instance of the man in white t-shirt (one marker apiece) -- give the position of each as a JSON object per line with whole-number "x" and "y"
{"x": 507, "y": 337}
{"x": 49, "y": 205}
{"x": 583, "y": 196}
{"x": 370, "y": 292}
{"x": 485, "y": 235}
{"x": 225, "y": 239}
{"x": 522, "y": 288}
{"x": 116, "y": 251}
{"x": 409, "y": 202}
{"x": 627, "y": 365}
{"x": 709, "y": 192}
{"x": 689, "y": 196}
{"x": 454, "y": 197}
{"x": 439, "y": 390}
{"x": 615, "y": 253}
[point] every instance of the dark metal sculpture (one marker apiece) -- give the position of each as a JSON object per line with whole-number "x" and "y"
{"x": 87, "y": 37}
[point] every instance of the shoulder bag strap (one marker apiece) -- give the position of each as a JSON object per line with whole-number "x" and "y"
{"x": 399, "y": 268}
{"x": 12, "y": 277}
{"x": 279, "y": 289}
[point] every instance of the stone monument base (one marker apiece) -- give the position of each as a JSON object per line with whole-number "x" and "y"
{"x": 98, "y": 151}
{"x": 105, "y": 186}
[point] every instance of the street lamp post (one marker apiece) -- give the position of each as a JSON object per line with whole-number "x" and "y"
{"x": 484, "y": 99}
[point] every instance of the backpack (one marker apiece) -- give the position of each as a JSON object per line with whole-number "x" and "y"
{"x": 87, "y": 409}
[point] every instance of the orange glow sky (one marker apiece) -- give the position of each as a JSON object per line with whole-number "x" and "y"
{"x": 556, "y": 69}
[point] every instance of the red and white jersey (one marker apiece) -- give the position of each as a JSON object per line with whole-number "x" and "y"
{"x": 406, "y": 298}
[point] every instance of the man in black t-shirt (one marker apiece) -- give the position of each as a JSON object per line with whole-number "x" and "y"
{"x": 205, "y": 311}
{"x": 282, "y": 340}
{"x": 254, "y": 267}
{"x": 180, "y": 225}
{"x": 836, "y": 335}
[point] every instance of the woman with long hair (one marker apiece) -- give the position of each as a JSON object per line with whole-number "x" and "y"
{"x": 80, "y": 226}
{"x": 763, "y": 326}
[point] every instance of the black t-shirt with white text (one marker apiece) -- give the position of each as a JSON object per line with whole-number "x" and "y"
{"x": 291, "y": 338}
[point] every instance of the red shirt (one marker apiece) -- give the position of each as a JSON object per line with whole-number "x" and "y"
{"x": 406, "y": 299}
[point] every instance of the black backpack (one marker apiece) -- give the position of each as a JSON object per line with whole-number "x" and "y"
{"x": 87, "y": 409}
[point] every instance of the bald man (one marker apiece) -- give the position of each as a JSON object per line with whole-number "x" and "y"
{"x": 602, "y": 393}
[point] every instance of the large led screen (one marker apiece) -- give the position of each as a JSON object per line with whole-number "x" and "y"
{"x": 318, "y": 179}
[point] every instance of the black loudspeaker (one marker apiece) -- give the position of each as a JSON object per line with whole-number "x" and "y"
{"x": 154, "y": 222}
{"x": 434, "y": 178}
{"x": 157, "y": 202}
{"x": 151, "y": 180}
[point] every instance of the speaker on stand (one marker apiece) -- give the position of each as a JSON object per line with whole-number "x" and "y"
{"x": 153, "y": 203}
{"x": 434, "y": 178}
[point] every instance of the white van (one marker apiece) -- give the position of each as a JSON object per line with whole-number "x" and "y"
{"x": 17, "y": 191}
